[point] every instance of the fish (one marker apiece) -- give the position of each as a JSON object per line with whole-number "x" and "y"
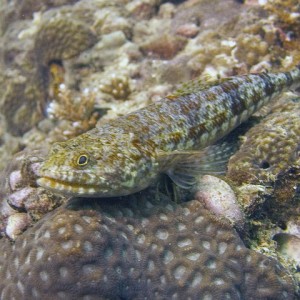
{"x": 178, "y": 135}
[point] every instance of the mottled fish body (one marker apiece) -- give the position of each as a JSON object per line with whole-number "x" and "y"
{"x": 127, "y": 154}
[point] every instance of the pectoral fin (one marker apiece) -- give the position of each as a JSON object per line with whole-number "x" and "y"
{"x": 184, "y": 167}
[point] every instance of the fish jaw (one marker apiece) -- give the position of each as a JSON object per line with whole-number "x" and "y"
{"x": 70, "y": 189}
{"x": 85, "y": 190}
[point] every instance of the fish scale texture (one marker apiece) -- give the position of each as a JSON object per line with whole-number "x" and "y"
{"x": 140, "y": 248}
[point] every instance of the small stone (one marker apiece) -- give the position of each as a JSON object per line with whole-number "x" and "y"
{"x": 219, "y": 198}
{"x": 165, "y": 46}
{"x": 141, "y": 9}
{"x": 18, "y": 198}
{"x": 188, "y": 30}
{"x": 15, "y": 180}
{"x": 289, "y": 246}
{"x": 16, "y": 224}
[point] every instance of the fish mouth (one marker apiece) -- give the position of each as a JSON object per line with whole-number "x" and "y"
{"x": 68, "y": 188}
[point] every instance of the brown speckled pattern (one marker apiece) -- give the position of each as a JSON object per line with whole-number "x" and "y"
{"x": 138, "y": 248}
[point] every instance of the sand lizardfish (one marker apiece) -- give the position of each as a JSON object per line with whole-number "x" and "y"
{"x": 173, "y": 136}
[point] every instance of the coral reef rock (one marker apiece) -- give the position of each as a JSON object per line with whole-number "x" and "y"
{"x": 269, "y": 149}
{"x": 22, "y": 202}
{"x": 141, "y": 247}
{"x": 269, "y": 157}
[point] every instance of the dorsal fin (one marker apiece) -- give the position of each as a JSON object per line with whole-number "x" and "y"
{"x": 196, "y": 85}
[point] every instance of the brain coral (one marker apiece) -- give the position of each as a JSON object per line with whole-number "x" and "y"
{"x": 270, "y": 148}
{"x": 136, "y": 248}
{"x": 65, "y": 36}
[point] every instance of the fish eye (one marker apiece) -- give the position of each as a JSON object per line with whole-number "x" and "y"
{"x": 82, "y": 160}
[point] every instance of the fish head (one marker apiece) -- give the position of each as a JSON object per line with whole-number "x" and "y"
{"x": 103, "y": 167}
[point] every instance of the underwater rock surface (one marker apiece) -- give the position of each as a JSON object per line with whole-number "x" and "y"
{"x": 136, "y": 248}
{"x": 103, "y": 59}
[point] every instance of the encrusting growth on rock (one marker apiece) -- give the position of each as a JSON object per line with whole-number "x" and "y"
{"x": 139, "y": 248}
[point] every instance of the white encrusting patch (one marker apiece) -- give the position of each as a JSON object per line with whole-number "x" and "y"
{"x": 63, "y": 272}
{"x": 131, "y": 271}
{"x": 154, "y": 246}
{"x": 222, "y": 247}
{"x": 88, "y": 269}
{"x": 163, "y": 279}
{"x": 8, "y": 275}
{"x": 67, "y": 245}
{"x": 88, "y": 219}
{"x": 181, "y": 226}
{"x": 61, "y": 230}
{"x": 20, "y": 286}
{"x": 186, "y": 211}
{"x": 163, "y": 217}
{"x": 16, "y": 262}
{"x": 35, "y": 293}
{"x": 24, "y": 243}
{"x": 218, "y": 281}
{"x": 193, "y": 256}
{"x": 168, "y": 256}
{"x": 211, "y": 264}
{"x": 208, "y": 228}
{"x": 162, "y": 234}
{"x": 138, "y": 254}
{"x": 206, "y": 245}
{"x": 184, "y": 243}
{"x": 248, "y": 258}
{"x": 87, "y": 246}
{"x": 179, "y": 272}
{"x": 44, "y": 276}
{"x": 196, "y": 280}
{"x": 141, "y": 239}
{"x": 123, "y": 234}
{"x": 47, "y": 234}
{"x": 207, "y": 296}
{"x": 27, "y": 259}
{"x": 151, "y": 265}
{"x": 40, "y": 252}
{"x": 199, "y": 219}
{"x": 78, "y": 228}
{"x": 238, "y": 248}
{"x": 130, "y": 227}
